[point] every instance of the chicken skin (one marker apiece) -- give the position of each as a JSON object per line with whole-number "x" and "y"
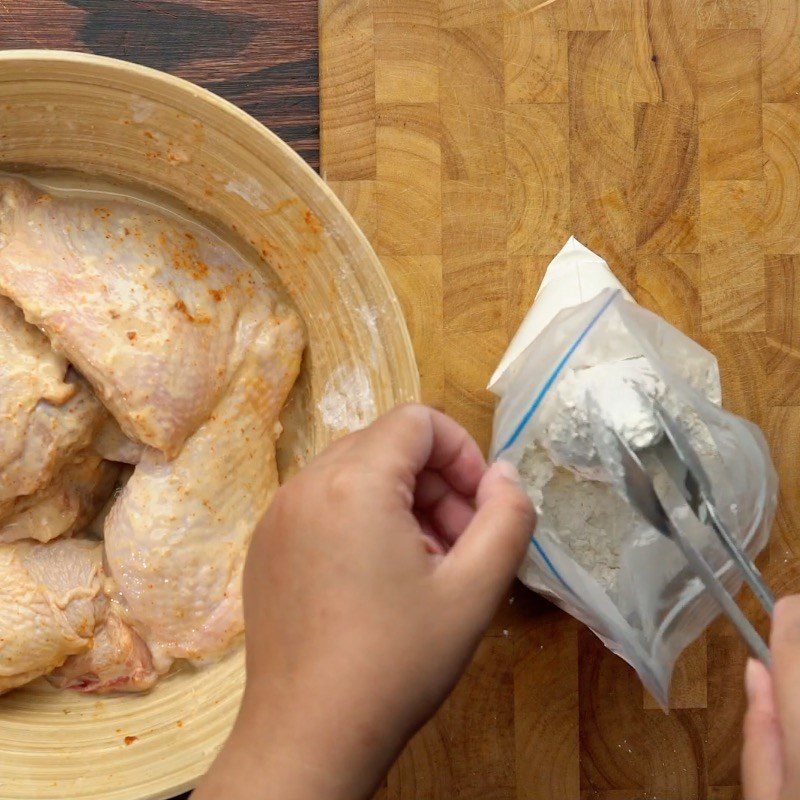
{"x": 50, "y": 601}
{"x": 177, "y": 536}
{"x": 118, "y": 661}
{"x": 47, "y": 413}
{"x": 143, "y": 367}
{"x": 111, "y": 443}
{"x": 156, "y": 313}
{"x": 66, "y": 505}
{"x": 49, "y": 483}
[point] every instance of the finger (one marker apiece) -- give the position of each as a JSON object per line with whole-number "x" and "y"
{"x": 414, "y": 437}
{"x": 489, "y": 552}
{"x": 433, "y": 546}
{"x": 430, "y": 489}
{"x": 456, "y": 455}
{"x": 449, "y": 518}
{"x": 435, "y": 501}
{"x": 762, "y": 760}
{"x": 785, "y": 644}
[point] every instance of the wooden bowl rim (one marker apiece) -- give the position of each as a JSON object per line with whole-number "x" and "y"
{"x": 128, "y": 67}
{"x": 298, "y": 173}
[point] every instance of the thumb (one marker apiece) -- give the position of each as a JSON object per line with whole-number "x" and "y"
{"x": 762, "y": 760}
{"x": 488, "y": 553}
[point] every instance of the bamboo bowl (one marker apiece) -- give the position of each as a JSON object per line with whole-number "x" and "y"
{"x": 115, "y": 119}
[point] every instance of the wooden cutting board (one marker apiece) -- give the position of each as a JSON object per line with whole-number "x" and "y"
{"x": 470, "y": 138}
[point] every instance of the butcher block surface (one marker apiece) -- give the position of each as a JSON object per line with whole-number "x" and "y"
{"x": 470, "y": 138}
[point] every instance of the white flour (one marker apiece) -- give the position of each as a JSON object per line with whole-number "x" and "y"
{"x": 616, "y": 395}
{"x": 348, "y": 402}
{"x": 249, "y": 189}
{"x": 609, "y": 385}
{"x": 563, "y": 470}
{"x": 587, "y": 517}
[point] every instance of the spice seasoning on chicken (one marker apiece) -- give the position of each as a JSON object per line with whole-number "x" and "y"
{"x": 215, "y": 356}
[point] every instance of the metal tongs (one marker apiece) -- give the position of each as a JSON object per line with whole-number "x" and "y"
{"x": 642, "y": 495}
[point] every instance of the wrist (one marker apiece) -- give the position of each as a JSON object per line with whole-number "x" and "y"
{"x": 253, "y": 770}
{"x": 294, "y": 753}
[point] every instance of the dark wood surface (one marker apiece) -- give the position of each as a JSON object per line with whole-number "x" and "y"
{"x": 259, "y": 54}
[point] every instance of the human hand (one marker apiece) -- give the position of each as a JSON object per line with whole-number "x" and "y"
{"x": 367, "y": 588}
{"x": 771, "y": 754}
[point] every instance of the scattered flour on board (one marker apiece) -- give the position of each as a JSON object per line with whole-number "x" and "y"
{"x": 348, "y": 403}
{"x": 248, "y": 188}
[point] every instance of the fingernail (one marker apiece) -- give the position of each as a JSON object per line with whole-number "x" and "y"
{"x": 507, "y": 470}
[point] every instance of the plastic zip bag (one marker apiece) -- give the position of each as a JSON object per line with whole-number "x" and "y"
{"x": 629, "y": 584}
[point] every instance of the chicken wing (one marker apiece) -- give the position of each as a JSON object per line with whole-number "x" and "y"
{"x": 177, "y": 536}
{"x": 155, "y": 312}
{"x": 50, "y": 601}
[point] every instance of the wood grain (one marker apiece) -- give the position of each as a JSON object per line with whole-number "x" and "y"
{"x": 666, "y": 135}
{"x": 123, "y": 120}
{"x": 260, "y": 56}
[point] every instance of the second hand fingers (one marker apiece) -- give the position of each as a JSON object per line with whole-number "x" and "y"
{"x": 484, "y": 559}
{"x": 449, "y": 517}
{"x": 785, "y": 645}
{"x": 456, "y": 455}
{"x": 762, "y": 761}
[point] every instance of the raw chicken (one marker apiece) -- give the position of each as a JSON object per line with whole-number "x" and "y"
{"x": 190, "y": 352}
{"x": 55, "y": 616}
{"x": 97, "y": 524}
{"x": 50, "y": 601}
{"x": 118, "y": 661}
{"x": 156, "y": 313}
{"x": 177, "y": 536}
{"x": 66, "y": 504}
{"x": 47, "y": 414}
{"x": 111, "y": 443}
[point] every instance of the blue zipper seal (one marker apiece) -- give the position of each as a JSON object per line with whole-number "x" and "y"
{"x": 523, "y": 423}
{"x": 555, "y": 373}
